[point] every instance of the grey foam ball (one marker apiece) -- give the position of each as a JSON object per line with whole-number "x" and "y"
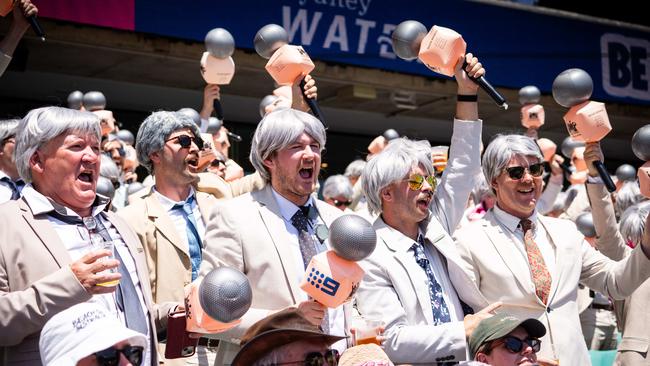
{"x": 352, "y": 237}
{"x": 126, "y": 136}
{"x": 572, "y": 87}
{"x": 585, "y": 224}
{"x": 390, "y": 134}
{"x": 267, "y": 100}
{"x": 225, "y": 294}
{"x": 94, "y": 101}
{"x": 192, "y": 114}
{"x": 407, "y": 38}
{"x": 568, "y": 145}
{"x": 134, "y": 187}
{"x": 269, "y": 38}
{"x": 220, "y": 43}
{"x": 105, "y": 187}
{"x": 529, "y": 95}
{"x": 214, "y": 125}
{"x": 641, "y": 143}
{"x": 75, "y": 100}
{"x": 625, "y": 172}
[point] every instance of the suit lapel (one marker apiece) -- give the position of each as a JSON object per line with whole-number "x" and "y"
{"x": 509, "y": 254}
{"x": 406, "y": 259}
{"x": 164, "y": 224}
{"x": 44, "y": 230}
{"x": 272, "y": 218}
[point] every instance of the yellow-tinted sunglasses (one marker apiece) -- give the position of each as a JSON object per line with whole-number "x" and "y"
{"x": 416, "y": 181}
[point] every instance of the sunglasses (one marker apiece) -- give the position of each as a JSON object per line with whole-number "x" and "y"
{"x": 186, "y": 141}
{"x": 416, "y": 181}
{"x": 515, "y": 345}
{"x": 217, "y": 162}
{"x": 111, "y": 356}
{"x": 517, "y": 172}
{"x": 338, "y": 203}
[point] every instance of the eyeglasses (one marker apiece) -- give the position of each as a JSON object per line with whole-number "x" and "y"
{"x": 338, "y": 203}
{"x": 186, "y": 141}
{"x": 515, "y": 345}
{"x": 517, "y": 172}
{"x": 331, "y": 357}
{"x": 111, "y": 356}
{"x": 416, "y": 181}
{"x": 217, "y": 162}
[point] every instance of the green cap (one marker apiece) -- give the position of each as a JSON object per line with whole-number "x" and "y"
{"x": 499, "y": 326}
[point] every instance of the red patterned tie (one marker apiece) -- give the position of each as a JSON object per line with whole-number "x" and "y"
{"x": 541, "y": 276}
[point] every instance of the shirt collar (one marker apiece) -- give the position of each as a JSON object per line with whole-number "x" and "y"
{"x": 509, "y": 221}
{"x": 40, "y": 204}
{"x": 288, "y": 208}
{"x": 396, "y": 238}
{"x": 168, "y": 204}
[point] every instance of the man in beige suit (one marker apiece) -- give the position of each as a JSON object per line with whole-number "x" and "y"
{"x": 533, "y": 263}
{"x": 170, "y": 219}
{"x": 49, "y": 259}
{"x": 632, "y": 313}
{"x": 255, "y": 232}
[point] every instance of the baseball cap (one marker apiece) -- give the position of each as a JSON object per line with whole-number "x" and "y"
{"x": 499, "y": 326}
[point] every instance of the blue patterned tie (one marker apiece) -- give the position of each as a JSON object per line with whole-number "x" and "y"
{"x": 438, "y": 306}
{"x": 15, "y": 188}
{"x": 193, "y": 238}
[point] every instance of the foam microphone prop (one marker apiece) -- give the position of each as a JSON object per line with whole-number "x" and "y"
{"x": 286, "y": 62}
{"x": 390, "y": 135}
{"x": 217, "y": 65}
{"x": 625, "y": 172}
{"x": 126, "y": 136}
{"x": 585, "y": 224}
{"x": 192, "y": 114}
{"x": 532, "y": 113}
{"x": 6, "y": 6}
{"x": 439, "y": 50}
{"x": 105, "y": 187}
{"x": 214, "y": 303}
{"x": 94, "y": 101}
{"x": 332, "y": 277}
{"x": 75, "y": 100}
{"x": 586, "y": 120}
{"x": 641, "y": 148}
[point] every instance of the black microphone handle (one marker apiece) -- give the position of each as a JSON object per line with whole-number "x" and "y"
{"x": 36, "y": 26}
{"x": 234, "y": 136}
{"x": 609, "y": 184}
{"x": 218, "y": 110}
{"x": 489, "y": 89}
{"x": 313, "y": 105}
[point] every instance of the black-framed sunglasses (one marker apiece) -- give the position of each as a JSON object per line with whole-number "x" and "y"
{"x": 338, "y": 203}
{"x": 111, "y": 356}
{"x": 416, "y": 181}
{"x": 186, "y": 141}
{"x": 515, "y": 345}
{"x": 517, "y": 172}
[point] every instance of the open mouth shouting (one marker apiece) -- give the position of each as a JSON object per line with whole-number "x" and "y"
{"x": 192, "y": 162}
{"x": 86, "y": 176}
{"x": 424, "y": 201}
{"x": 306, "y": 173}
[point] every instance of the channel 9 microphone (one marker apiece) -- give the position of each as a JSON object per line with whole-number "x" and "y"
{"x": 286, "y": 62}
{"x": 532, "y": 113}
{"x": 625, "y": 173}
{"x": 217, "y": 65}
{"x": 94, "y": 101}
{"x": 332, "y": 277}
{"x": 6, "y": 6}
{"x": 641, "y": 148}
{"x": 586, "y": 120}
{"x": 439, "y": 50}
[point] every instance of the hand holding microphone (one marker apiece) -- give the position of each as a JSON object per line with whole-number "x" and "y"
{"x": 440, "y": 50}
{"x": 217, "y": 65}
{"x": 586, "y": 120}
{"x": 24, "y": 12}
{"x": 287, "y": 63}
{"x": 332, "y": 277}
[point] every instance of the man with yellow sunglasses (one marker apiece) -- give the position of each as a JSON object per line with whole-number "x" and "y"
{"x": 412, "y": 276}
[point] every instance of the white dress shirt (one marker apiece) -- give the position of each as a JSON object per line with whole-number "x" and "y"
{"x": 76, "y": 239}
{"x": 288, "y": 209}
{"x": 178, "y": 217}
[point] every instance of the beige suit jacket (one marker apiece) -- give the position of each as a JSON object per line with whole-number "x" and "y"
{"x": 168, "y": 257}
{"x": 502, "y": 273}
{"x": 36, "y": 281}
{"x": 632, "y": 315}
{"x": 249, "y": 233}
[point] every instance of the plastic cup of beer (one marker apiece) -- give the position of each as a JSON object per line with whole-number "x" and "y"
{"x": 439, "y": 155}
{"x": 110, "y": 246}
{"x": 367, "y": 330}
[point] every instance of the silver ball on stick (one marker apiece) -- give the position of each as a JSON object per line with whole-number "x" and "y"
{"x": 572, "y": 87}
{"x": 266, "y": 101}
{"x": 225, "y": 294}
{"x": 585, "y": 224}
{"x": 529, "y": 95}
{"x": 641, "y": 143}
{"x": 626, "y": 172}
{"x": 75, "y": 100}
{"x": 390, "y": 134}
{"x": 192, "y": 114}
{"x": 352, "y": 237}
{"x": 407, "y": 38}
{"x": 126, "y": 136}
{"x": 220, "y": 43}
{"x": 568, "y": 145}
{"x": 269, "y": 38}
{"x": 94, "y": 101}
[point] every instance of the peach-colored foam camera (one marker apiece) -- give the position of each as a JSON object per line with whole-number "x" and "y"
{"x": 288, "y": 63}
{"x": 548, "y": 148}
{"x": 532, "y": 115}
{"x": 587, "y": 121}
{"x": 217, "y": 70}
{"x": 330, "y": 279}
{"x": 644, "y": 179}
{"x": 197, "y": 320}
{"x": 441, "y": 48}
